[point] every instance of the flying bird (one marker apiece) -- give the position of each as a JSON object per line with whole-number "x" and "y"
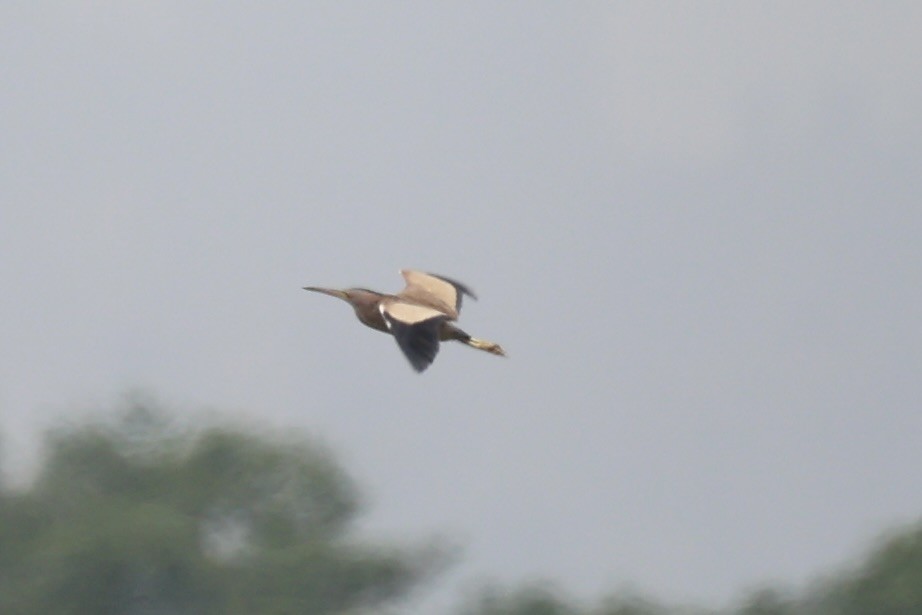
{"x": 419, "y": 316}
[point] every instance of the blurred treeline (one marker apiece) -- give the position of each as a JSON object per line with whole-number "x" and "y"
{"x": 134, "y": 515}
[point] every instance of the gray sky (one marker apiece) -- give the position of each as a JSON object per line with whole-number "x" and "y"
{"x": 695, "y": 227}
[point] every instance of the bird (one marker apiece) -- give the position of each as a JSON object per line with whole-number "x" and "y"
{"x": 419, "y": 316}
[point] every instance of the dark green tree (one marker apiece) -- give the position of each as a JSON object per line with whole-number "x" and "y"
{"x": 133, "y": 516}
{"x": 887, "y": 582}
{"x": 767, "y": 601}
{"x": 531, "y": 599}
{"x": 629, "y": 604}
{"x": 545, "y": 599}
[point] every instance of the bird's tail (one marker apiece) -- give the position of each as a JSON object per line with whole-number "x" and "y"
{"x": 491, "y": 347}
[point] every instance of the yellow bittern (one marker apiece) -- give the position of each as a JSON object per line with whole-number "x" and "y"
{"x": 418, "y": 317}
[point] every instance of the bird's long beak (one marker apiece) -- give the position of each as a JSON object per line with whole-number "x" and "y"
{"x": 328, "y": 291}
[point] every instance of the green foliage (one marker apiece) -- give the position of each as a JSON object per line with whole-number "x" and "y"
{"x": 534, "y": 599}
{"x": 134, "y": 517}
{"x": 528, "y": 600}
{"x": 766, "y": 601}
{"x": 630, "y": 605}
{"x": 888, "y": 582}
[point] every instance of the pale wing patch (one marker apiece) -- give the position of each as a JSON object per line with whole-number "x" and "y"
{"x": 408, "y": 313}
{"x": 440, "y": 293}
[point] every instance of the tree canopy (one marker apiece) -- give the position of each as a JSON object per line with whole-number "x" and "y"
{"x": 134, "y": 517}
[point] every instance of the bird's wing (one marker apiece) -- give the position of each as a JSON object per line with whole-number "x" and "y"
{"x": 416, "y": 329}
{"x": 442, "y": 294}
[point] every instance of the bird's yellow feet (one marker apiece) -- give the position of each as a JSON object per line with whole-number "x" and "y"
{"x": 491, "y": 347}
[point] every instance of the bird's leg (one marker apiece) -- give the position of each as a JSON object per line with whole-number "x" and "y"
{"x": 451, "y": 332}
{"x": 491, "y": 347}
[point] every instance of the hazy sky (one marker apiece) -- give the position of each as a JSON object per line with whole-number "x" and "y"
{"x": 695, "y": 227}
